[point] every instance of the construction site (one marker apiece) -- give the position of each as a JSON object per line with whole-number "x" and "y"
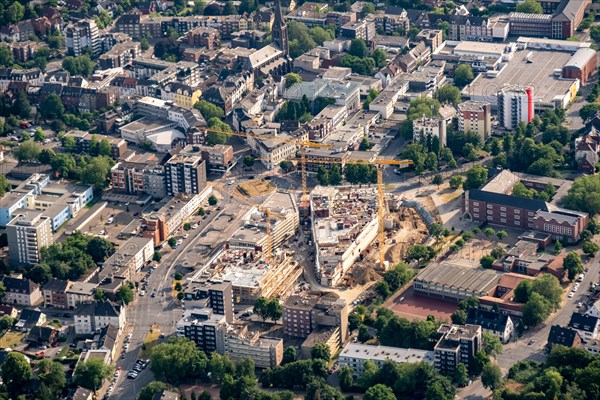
{"x": 345, "y": 225}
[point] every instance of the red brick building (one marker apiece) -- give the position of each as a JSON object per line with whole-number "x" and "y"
{"x": 582, "y": 65}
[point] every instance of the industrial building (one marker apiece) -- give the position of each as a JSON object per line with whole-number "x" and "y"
{"x": 344, "y": 223}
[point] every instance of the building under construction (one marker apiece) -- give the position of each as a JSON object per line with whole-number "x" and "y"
{"x": 344, "y": 224}
{"x": 252, "y": 275}
{"x": 284, "y": 221}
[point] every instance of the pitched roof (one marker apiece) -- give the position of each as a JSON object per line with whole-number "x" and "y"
{"x": 99, "y": 308}
{"x": 30, "y": 316}
{"x": 41, "y": 334}
{"x": 19, "y": 285}
{"x": 583, "y": 322}
{"x": 489, "y": 320}
{"x": 563, "y": 336}
{"x": 108, "y": 336}
{"x": 56, "y": 285}
{"x": 506, "y": 200}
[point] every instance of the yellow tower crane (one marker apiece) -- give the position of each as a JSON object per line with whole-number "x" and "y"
{"x": 266, "y": 211}
{"x": 379, "y": 164}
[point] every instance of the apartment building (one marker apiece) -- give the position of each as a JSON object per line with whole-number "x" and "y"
{"x": 120, "y": 55}
{"x": 219, "y": 157}
{"x": 129, "y": 258}
{"x": 272, "y": 147}
{"x": 359, "y": 30}
{"x": 475, "y": 117}
{"x": 55, "y": 293}
{"x": 515, "y": 104}
{"x": 492, "y": 322}
{"x": 204, "y": 37}
{"x": 457, "y": 345}
{"x": 240, "y": 342}
{"x": 85, "y": 141}
{"x": 205, "y": 328}
{"x": 139, "y": 174}
{"x": 425, "y": 128}
{"x": 20, "y": 291}
{"x": 171, "y": 214}
{"x": 354, "y": 356}
{"x": 90, "y": 318}
{"x": 27, "y": 233}
{"x": 392, "y": 23}
{"x": 81, "y": 36}
{"x": 587, "y": 326}
{"x": 218, "y": 296}
{"x": 468, "y": 27}
{"x": 80, "y": 293}
{"x": 185, "y": 174}
{"x": 182, "y": 95}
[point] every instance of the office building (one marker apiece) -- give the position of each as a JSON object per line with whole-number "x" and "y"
{"x": 185, "y": 174}
{"x": 27, "y": 233}
{"x": 515, "y": 104}
{"x": 82, "y": 36}
{"x": 457, "y": 345}
{"x": 475, "y": 117}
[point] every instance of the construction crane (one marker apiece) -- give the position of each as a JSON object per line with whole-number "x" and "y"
{"x": 266, "y": 211}
{"x": 303, "y": 144}
{"x": 379, "y": 164}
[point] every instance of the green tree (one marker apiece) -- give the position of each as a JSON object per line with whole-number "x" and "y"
{"x": 229, "y": 9}
{"x": 249, "y": 161}
{"x": 456, "y": 181}
{"x": 260, "y": 308}
{"x": 476, "y": 177}
{"x": 6, "y": 322}
{"x": 459, "y": 317}
{"x": 491, "y": 344}
{"x": 501, "y": 234}
{"x": 274, "y": 310}
{"x": 219, "y": 366}
{"x": 536, "y": 310}
{"x": 99, "y": 295}
{"x": 380, "y": 58}
{"x": 572, "y": 263}
{"x": 27, "y": 151}
{"x": 289, "y": 355}
{"x": 172, "y": 241}
{"x": 6, "y": 57}
{"x": 530, "y": 7}
{"x": 422, "y": 106}
{"x": 368, "y": 8}
{"x": 379, "y": 392}
{"x": 100, "y": 249}
{"x": 300, "y": 40}
{"x": 157, "y": 256}
{"x": 52, "y": 375}
{"x": 92, "y": 373}
{"x": 218, "y": 132}
{"x": 491, "y": 376}
{"x": 177, "y": 360}
{"x": 584, "y": 195}
{"x": 15, "y": 372}
{"x": 358, "y": 48}
{"x": 209, "y": 110}
{"x": 489, "y": 232}
{"x": 323, "y": 176}
{"x": 346, "y": 378}
{"x": 14, "y": 13}
{"x": 463, "y": 75}
{"x": 590, "y": 248}
{"x": 21, "y": 106}
{"x": 487, "y": 261}
{"x": 125, "y": 294}
{"x": 291, "y": 79}
{"x": 461, "y": 375}
{"x": 419, "y": 252}
{"x": 4, "y": 185}
{"x": 148, "y": 392}
{"x": 321, "y": 351}
{"x": 589, "y": 109}
{"x": 212, "y": 200}
{"x": 448, "y": 94}
{"x": 358, "y": 65}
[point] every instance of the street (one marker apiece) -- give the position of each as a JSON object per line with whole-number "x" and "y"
{"x": 521, "y": 350}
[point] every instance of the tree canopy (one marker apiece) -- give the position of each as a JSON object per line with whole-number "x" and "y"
{"x": 584, "y": 195}
{"x": 208, "y": 110}
{"x": 92, "y": 373}
{"x": 530, "y": 7}
{"x": 177, "y": 360}
{"x": 463, "y": 75}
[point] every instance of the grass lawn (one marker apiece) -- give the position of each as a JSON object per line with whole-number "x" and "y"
{"x": 63, "y": 352}
{"x": 150, "y": 341}
{"x": 11, "y": 339}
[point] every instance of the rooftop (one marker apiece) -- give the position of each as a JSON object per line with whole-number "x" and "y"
{"x": 475, "y": 280}
{"x": 383, "y": 353}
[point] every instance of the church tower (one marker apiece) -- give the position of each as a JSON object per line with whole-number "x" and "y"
{"x": 280, "y": 32}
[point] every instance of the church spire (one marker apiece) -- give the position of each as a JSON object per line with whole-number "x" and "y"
{"x": 280, "y": 33}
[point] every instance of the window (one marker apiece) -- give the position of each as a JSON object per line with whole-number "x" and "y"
{"x": 503, "y": 220}
{"x": 502, "y": 208}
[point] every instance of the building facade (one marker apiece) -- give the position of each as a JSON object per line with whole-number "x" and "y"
{"x": 475, "y": 117}
{"x": 185, "y": 174}
{"x": 457, "y": 345}
{"x": 515, "y": 104}
{"x": 27, "y": 234}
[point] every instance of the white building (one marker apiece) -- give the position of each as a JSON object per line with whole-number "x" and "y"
{"x": 515, "y": 104}
{"x": 355, "y": 355}
{"x": 129, "y": 257}
{"x": 384, "y": 103}
{"x": 586, "y": 325}
{"x": 27, "y": 234}
{"x": 81, "y": 36}
{"x": 424, "y": 128}
{"x": 272, "y": 147}
{"x": 90, "y": 318}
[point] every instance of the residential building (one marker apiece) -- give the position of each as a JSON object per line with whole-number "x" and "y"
{"x": 475, "y": 117}
{"x": 20, "y": 291}
{"x": 80, "y": 293}
{"x": 432, "y": 37}
{"x": 185, "y": 174}
{"x": 120, "y": 55}
{"x": 204, "y": 37}
{"x": 171, "y": 214}
{"x": 128, "y": 259}
{"x": 81, "y": 36}
{"x": 392, "y": 23}
{"x": 84, "y": 140}
{"x": 563, "y": 336}
{"x": 304, "y": 314}
{"x": 27, "y": 233}
{"x": 139, "y": 174}
{"x": 494, "y": 323}
{"x": 29, "y": 319}
{"x": 458, "y": 344}
{"x": 90, "y": 318}
{"x": 218, "y": 157}
{"x": 468, "y": 27}
{"x": 586, "y": 154}
{"x": 182, "y": 95}
{"x": 204, "y": 327}
{"x": 425, "y": 128}
{"x": 354, "y": 356}
{"x": 218, "y": 296}
{"x": 55, "y": 293}
{"x": 587, "y": 326}
{"x": 515, "y": 104}
{"x": 272, "y": 147}
{"x": 240, "y": 342}
{"x": 311, "y": 14}
{"x": 359, "y": 30}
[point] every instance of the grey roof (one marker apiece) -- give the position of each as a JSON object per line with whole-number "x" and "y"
{"x": 99, "y": 308}
{"x": 21, "y": 285}
{"x": 581, "y": 58}
{"x": 506, "y": 200}
{"x": 562, "y": 336}
{"x": 56, "y": 285}
{"x": 489, "y": 320}
{"x": 476, "y": 280}
{"x": 583, "y": 322}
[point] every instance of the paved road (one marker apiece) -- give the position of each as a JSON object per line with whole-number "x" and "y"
{"x": 521, "y": 350}
{"x": 161, "y": 310}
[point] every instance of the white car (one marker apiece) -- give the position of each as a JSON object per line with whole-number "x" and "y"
{"x": 186, "y": 236}
{"x": 143, "y": 293}
{"x": 571, "y": 295}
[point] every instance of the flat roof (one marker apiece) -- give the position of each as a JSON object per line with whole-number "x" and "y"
{"x": 539, "y": 74}
{"x": 383, "y": 353}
